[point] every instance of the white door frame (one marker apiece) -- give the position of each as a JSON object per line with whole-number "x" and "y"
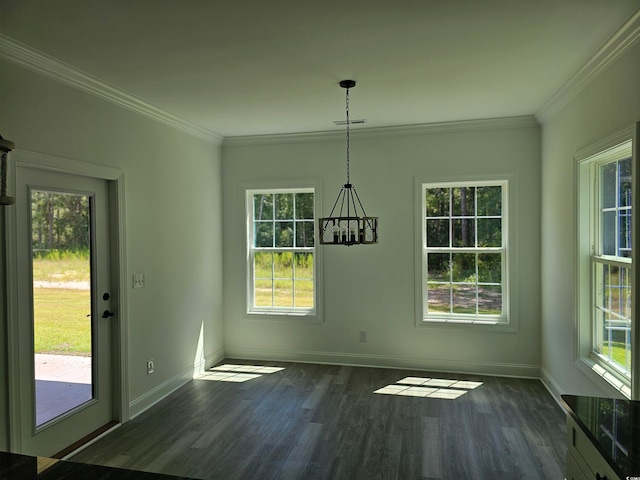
{"x": 115, "y": 180}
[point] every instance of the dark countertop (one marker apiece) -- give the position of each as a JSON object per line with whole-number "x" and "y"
{"x": 25, "y": 467}
{"x": 613, "y": 425}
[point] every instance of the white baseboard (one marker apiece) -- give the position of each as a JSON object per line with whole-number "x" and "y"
{"x": 149, "y": 399}
{"x": 381, "y": 361}
{"x": 551, "y": 385}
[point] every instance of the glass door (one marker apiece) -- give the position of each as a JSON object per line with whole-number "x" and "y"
{"x": 64, "y": 309}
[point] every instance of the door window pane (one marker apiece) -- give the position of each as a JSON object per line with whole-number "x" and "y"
{"x": 62, "y": 321}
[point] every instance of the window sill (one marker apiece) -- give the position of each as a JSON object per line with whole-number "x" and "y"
{"x": 613, "y": 384}
{"x": 480, "y": 324}
{"x": 297, "y": 317}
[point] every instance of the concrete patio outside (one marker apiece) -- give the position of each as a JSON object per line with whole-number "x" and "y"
{"x": 62, "y": 383}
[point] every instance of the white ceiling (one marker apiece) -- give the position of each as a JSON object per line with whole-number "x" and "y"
{"x": 251, "y": 67}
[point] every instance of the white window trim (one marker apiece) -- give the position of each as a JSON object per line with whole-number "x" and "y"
{"x": 510, "y": 323}
{"x": 313, "y": 315}
{"x": 601, "y": 372}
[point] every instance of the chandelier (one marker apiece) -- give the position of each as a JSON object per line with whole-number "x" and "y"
{"x": 350, "y": 224}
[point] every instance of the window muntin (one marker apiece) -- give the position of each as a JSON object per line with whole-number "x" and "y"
{"x": 282, "y": 251}
{"x": 464, "y": 252}
{"x": 611, "y": 265}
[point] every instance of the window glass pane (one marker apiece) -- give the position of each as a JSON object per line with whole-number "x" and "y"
{"x": 262, "y": 293}
{"x": 602, "y": 282}
{"x": 304, "y": 205}
{"x": 304, "y": 266}
{"x": 284, "y": 206}
{"x": 464, "y": 299}
{"x": 609, "y": 185}
{"x": 489, "y": 201}
{"x": 489, "y": 300}
{"x": 283, "y": 293}
{"x": 463, "y": 201}
{"x": 463, "y": 267}
{"x": 625, "y": 234}
{"x": 609, "y": 232}
{"x": 263, "y": 264}
{"x": 490, "y": 268}
{"x": 625, "y": 292}
{"x": 624, "y": 176}
{"x": 263, "y": 234}
{"x": 263, "y": 284}
{"x": 438, "y": 298}
{"x": 613, "y": 315}
{"x": 283, "y": 265}
{"x": 437, "y": 202}
{"x": 464, "y": 234}
{"x": 304, "y": 294}
{"x": 284, "y": 234}
{"x": 438, "y": 267}
{"x": 437, "y": 233}
{"x": 615, "y": 300}
{"x": 489, "y": 232}
{"x": 263, "y": 206}
{"x": 304, "y": 234}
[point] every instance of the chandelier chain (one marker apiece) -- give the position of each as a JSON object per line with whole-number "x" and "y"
{"x": 348, "y": 123}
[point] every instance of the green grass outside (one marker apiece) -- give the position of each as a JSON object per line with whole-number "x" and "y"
{"x": 283, "y": 293}
{"x": 69, "y": 270}
{"x": 61, "y": 324}
{"x": 283, "y": 286}
{"x": 618, "y": 355}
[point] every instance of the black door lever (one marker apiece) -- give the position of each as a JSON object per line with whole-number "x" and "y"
{"x": 107, "y": 314}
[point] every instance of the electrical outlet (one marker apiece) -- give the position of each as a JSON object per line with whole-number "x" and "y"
{"x": 149, "y": 367}
{"x": 138, "y": 280}
{"x": 363, "y": 335}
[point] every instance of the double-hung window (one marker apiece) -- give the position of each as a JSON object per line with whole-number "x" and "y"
{"x": 605, "y": 286}
{"x": 281, "y": 251}
{"x": 464, "y": 252}
{"x": 611, "y": 264}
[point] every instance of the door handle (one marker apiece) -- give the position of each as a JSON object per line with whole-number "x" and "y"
{"x": 107, "y": 314}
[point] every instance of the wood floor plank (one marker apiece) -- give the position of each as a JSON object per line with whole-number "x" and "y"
{"x": 325, "y": 422}
{"x": 302, "y": 451}
{"x": 432, "y": 448}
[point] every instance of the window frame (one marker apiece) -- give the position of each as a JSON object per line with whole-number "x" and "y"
{"x": 507, "y": 321}
{"x": 606, "y": 374}
{"x": 312, "y": 315}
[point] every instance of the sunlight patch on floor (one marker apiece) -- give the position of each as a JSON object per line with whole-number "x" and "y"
{"x": 236, "y": 373}
{"x": 429, "y": 388}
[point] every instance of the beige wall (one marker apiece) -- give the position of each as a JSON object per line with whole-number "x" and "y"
{"x": 609, "y": 104}
{"x": 173, "y": 221}
{"x": 372, "y": 288}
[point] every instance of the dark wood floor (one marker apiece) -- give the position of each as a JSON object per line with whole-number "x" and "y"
{"x": 325, "y": 422}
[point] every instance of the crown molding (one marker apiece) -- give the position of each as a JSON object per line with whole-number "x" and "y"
{"x": 625, "y": 38}
{"x": 25, "y": 56}
{"x": 528, "y": 121}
